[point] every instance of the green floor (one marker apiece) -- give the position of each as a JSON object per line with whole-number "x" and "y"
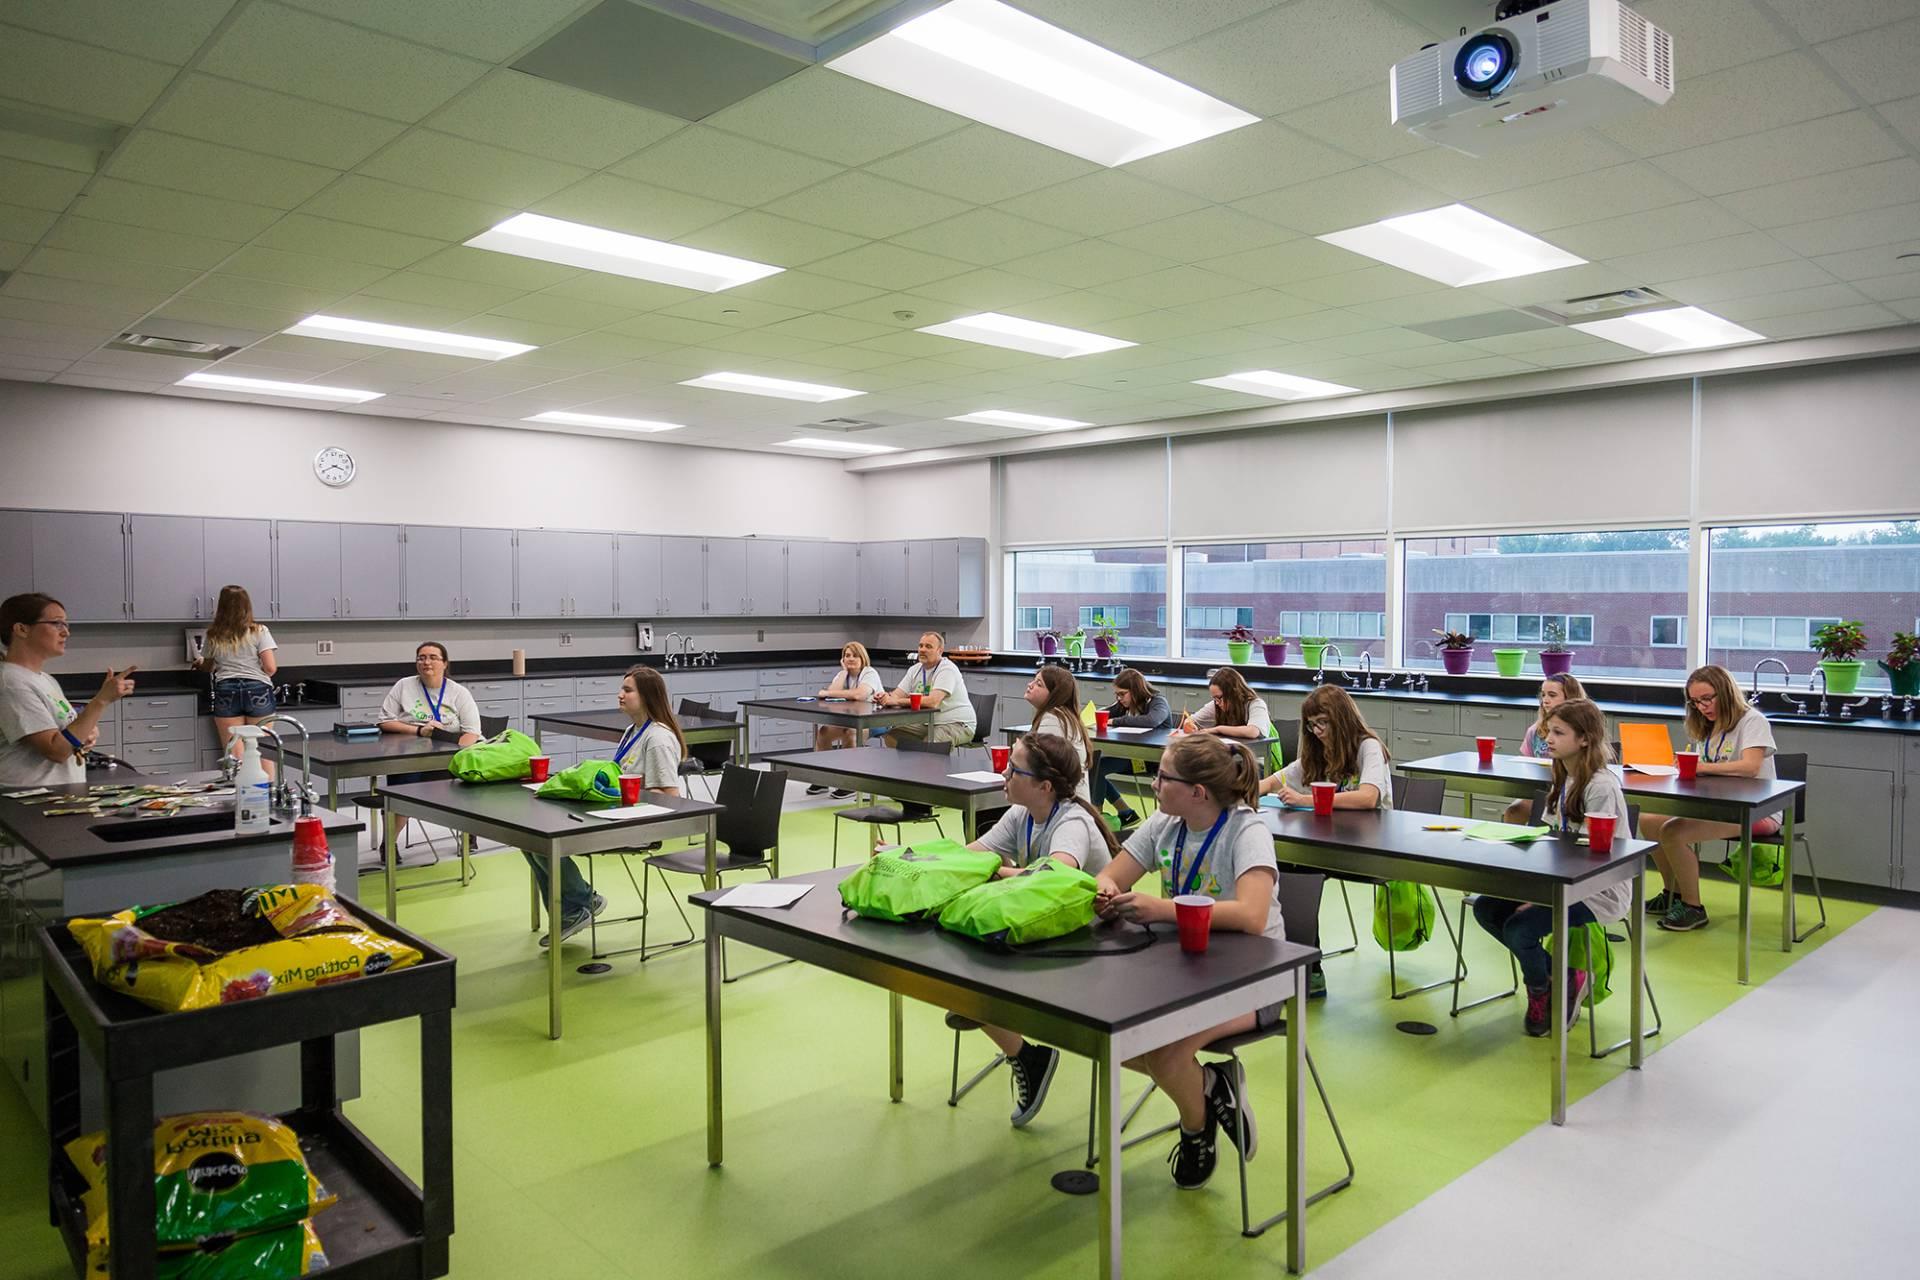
{"x": 587, "y": 1157}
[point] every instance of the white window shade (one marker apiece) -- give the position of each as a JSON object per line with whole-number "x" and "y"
{"x": 1301, "y": 481}
{"x": 1077, "y": 497}
{"x": 1592, "y": 459}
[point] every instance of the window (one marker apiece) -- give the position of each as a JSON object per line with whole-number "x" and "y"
{"x": 1606, "y": 594}
{"x": 1333, "y": 588}
{"x": 1125, "y": 585}
{"x": 1820, "y": 573}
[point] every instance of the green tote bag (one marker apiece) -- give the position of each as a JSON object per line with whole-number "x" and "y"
{"x": 1047, "y": 900}
{"x": 498, "y": 759}
{"x": 911, "y": 883}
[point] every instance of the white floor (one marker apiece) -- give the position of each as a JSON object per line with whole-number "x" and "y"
{"x": 1779, "y": 1139}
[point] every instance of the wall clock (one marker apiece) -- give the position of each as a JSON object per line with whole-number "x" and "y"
{"x": 334, "y": 466}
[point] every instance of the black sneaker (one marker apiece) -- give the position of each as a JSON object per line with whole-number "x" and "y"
{"x": 1033, "y": 1069}
{"x": 1227, "y": 1104}
{"x": 1193, "y": 1158}
{"x": 841, "y": 793}
{"x": 1128, "y": 819}
{"x": 1660, "y": 903}
{"x": 817, "y": 789}
{"x": 1316, "y": 982}
{"x": 1682, "y": 917}
{"x": 574, "y": 923}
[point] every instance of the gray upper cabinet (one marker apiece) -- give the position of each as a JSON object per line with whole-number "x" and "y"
{"x": 170, "y": 569}
{"x": 955, "y": 574}
{"x": 726, "y": 594}
{"x": 80, "y": 559}
{"x": 370, "y": 570}
{"x": 683, "y": 577}
{"x": 883, "y": 579}
{"x": 841, "y": 578}
{"x": 16, "y": 553}
{"x": 766, "y": 576}
{"x": 486, "y": 573}
{"x": 806, "y": 577}
{"x": 430, "y": 560}
{"x": 543, "y": 573}
{"x": 306, "y": 569}
{"x": 590, "y": 575}
{"x": 637, "y": 588}
{"x": 239, "y": 552}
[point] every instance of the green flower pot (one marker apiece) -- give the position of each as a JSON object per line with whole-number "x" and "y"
{"x": 1905, "y": 680}
{"x": 1509, "y": 661}
{"x": 1239, "y": 652}
{"x": 1074, "y": 644}
{"x": 1311, "y": 654}
{"x": 1842, "y": 677}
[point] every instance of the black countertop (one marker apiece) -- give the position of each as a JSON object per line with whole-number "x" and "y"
{"x": 75, "y": 840}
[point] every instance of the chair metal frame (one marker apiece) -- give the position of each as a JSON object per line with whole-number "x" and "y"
{"x": 1791, "y": 766}
{"x": 871, "y": 815}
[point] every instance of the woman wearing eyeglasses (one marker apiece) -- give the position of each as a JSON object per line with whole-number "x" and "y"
{"x": 43, "y": 740}
{"x": 428, "y": 704}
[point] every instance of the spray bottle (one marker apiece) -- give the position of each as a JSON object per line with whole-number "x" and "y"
{"x": 252, "y": 800}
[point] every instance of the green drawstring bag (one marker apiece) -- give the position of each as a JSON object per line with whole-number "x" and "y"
{"x": 1413, "y": 910}
{"x": 1769, "y": 864}
{"x": 1047, "y": 900}
{"x": 910, "y": 883}
{"x": 498, "y": 759}
{"x": 1589, "y": 948}
{"x": 588, "y": 780}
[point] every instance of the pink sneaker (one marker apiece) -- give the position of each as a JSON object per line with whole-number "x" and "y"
{"x": 1537, "y": 1002}
{"x": 1578, "y": 981}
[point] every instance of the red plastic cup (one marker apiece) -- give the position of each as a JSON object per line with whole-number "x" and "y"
{"x": 1193, "y": 912}
{"x": 1689, "y": 763}
{"x": 913, "y": 701}
{"x": 630, "y": 785}
{"x": 537, "y": 768}
{"x": 1600, "y": 834}
{"x": 1486, "y": 746}
{"x": 1323, "y": 794}
{"x": 1002, "y": 756}
{"x": 1102, "y": 719}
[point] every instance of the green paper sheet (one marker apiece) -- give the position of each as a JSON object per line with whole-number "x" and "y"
{"x": 1507, "y": 832}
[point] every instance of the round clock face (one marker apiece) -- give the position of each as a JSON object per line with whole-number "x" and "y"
{"x": 333, "y": 465}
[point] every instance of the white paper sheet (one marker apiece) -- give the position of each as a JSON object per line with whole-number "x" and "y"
{"x": 1655, "y": 770}
{"x": 763, "y": 894}
{"x": 1545, "y": 761}
{"x": 1127, "y": 732}
{"x": 533, "y": 786}
{"x": 631, "y": 811}
{"x": 978, "y": 775}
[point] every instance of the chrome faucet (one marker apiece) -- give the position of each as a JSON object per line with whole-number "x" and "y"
{"x": 1320, "y": 676}
{"x": 1366, "y": 668}
{"x": 1820, "y": 674}
{"x": 285, "y": 796}
{"x": 1786, "y": 675}
{"x": 673, "y": 659}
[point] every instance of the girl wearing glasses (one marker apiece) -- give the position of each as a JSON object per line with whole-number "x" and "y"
{"x": 43, "y": 740}
{"x": 1235, "y": 711}
{"x": 1206, "y": 838}
{"x": 1047, "y": 817}
{"x": 1335, "y": 746}
{"x": 1734, "y": 741}
{"x": 1054, "y": 695}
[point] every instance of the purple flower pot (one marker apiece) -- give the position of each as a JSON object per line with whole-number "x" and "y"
{"x": 1103, "y": 646}
{"x": 1049, "y": 645}
{"x": 1556, "y": 664}
{"x": 1456, "y": 661}
{"x": 1276, "y": 654}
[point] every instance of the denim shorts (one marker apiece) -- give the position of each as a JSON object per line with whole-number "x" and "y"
{"x": 247, "y": 698}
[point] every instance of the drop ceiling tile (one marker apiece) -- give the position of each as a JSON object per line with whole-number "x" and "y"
{"x": 723, "y": 166}
{"x": 1137, "y": 28}
{"x": 440, "y": 291}
{"x": 1824, "y": 19}
{"x": 1871, "y": 186}
{"x": 166, "y": 34}
{"x": 1220, "y": 342}
{"x": 1623, "y": 189}
{"x": 1101, "y": 203}
{"x": 1317, "y": 325}
{"x": 390, "y": 206}
{"x": 1532, "y": 340}
{"x": 1715, "y": 34}
{"x": 363, "y": 306}
{"x": 633, "y": 207}
{"x": 1545, "y": 286}
{"x": 835, "y": 117}
{"x": 1707, "y": 257}
{"x": 865, "y": 205}
{"x": 1528, "y": 165}
{"x": 1174, "y": 286}
{"x": 1867, "y": 264}
{"x": 761, "y": 237}
{"x": 568, "y": 313}
{"x": 758, "y": 342}
{"x": 39, "y": 186}
{"x": 1778, "y": 277}
{"x": 806, "y": 291}
{"x": 1852, "y": 231}
{"x": 1474, "y": 368}
{"x": 981, "y": 165}
{"x": 84, "y": 293}
{"x": 990, "y": 290}
{"x": 1880, "y": 65}
{"x": 18, "y": 222}
{"x": 1841, "y": 320}
{"x": 513, "y": 329}
{"x": 111, "y": 200}
{"x": 1357, "y": 123}
{"x": 631, "y": 296}
{"x": 1083, "y": 309}
{"x": 229, "y": 315}
{"x": 1351, "y": 47}
{"x": 906, "y": 343}
{"x": 78, "y": 79}
{"x": 265, "y": 355}
{"x": 1370, "y": 284}
{"x": 13, "y": 253}
{"x": 1895, "y": 287}
{"x": 670, "y": 329}
{"x": 1146, "y": 328}
{"x": 1826, "y": 145}
{"x": 110, "y": 384}
{"x": 511, "y": 109}
{"x": 985, "y": 237}
{"x": 85, "y": 235}
{"x": 28, "y": 335}
{"x": 1202, "y": 234}
{"x": 1750, "y": 98}
{"x": 208, "y": 169}
{"x": 731, "y": 311}
{"x": 329, "y": 238}
{"x": 1904, "y": 116}
{"x": 1342, "y": 200}
{"x": 1828, "y": 297}
{"x": 1250, "y": 307}
{"x": 460, "y": 167}
{"x": 881, "y": 309}
{"x": 253, "y": 119}
{"x": 1617, "y": 237}
{"x": 347, "y": 66}
{"x": 491, "y": 30}
{"x": 831, "y": 329}
{"x": 12, "y": 365}
{"x": 1088, "y": 264}
{"x": 1284, "y": 264}
{"x": 483, "y": 266}
{"x": 888, "y": 266}
{"x": 101, "y": 269}
{"x": 1244, "y": 162}
{"x": 1908, "y": 308}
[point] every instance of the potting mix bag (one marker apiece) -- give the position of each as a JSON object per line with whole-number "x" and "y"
{"x": 908, "y": 883}
{"x": 235, "y": 944}
{"x": 270, "y": 1255}
{"x": 216, "y": 1174}
{"x": 501, "y": 758}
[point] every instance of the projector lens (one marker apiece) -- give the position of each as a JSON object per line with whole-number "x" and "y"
{"x": 1484, "y": 65}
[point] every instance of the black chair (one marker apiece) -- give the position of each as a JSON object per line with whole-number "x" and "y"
{"x": 1288, "y": 732}
{"x": 748, "y": 827}
{"x": 890, "y": 815}
{"x": 493, "y": 726}
{"x": 704, "y": 759}
{"x": 1791, "y": 766}
{"x": 986, "y": 706}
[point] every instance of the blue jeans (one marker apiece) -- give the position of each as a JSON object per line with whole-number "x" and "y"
{"x": 1521, "y": 927}
{"x": 575, "y": 894}
{"x": 1104, "y": 792}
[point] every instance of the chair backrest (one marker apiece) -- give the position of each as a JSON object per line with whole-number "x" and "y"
{"x": 931, "y": 748}
{"x": 492, "y": 726}
{"x": 1419, "y": 795}
{"x": 986, "y": 706}
{"x": 1288, "y": 731}
{"x": 1791, "y": 766}
{"x": 1300, "y": 905}
{"x": 710, "y": 755}
{"x": 689, "y": 707}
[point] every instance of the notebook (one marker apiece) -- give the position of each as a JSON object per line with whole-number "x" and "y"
{"x": 1645, "y": 744}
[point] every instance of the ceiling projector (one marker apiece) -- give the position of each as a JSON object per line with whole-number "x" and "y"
{"x": 1543, "y": 68}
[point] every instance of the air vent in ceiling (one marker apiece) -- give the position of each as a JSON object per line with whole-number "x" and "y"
{"x": 846, "y": 424}
{"x": 155, "y": 345}
{"x": 1621, "y": 302}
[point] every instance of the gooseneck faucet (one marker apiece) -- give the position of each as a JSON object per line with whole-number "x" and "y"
{"x": 284, "y": 792}
{"x": 1820, "y": 674}
{"x": 673, "y": 659}
{"x": 1366, "y": 668}
{"x": 1786, "y": 675}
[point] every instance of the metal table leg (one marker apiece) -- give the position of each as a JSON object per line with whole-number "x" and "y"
{"x": 553, "y": 944}
{"x": 391, "y": 852}
{"x": 1638, "y": 952}
{"x": 1107, "y": 1086}
{"x": 1746, "y": 893}
{"x": 715, "y": 1107}
{"x": 896, "y": 1057}
{"x": 1789, "y": 924}
{"x": 1557, "y": 1007}
{"x": 1296, "y": 1015}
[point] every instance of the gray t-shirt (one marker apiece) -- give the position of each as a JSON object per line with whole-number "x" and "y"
{"x": 944, "y": 676}
{"x": 1069, "y": 830}
{"x": 1258, "y": 716}
{"x": 31, "y": 702}
{"x": 242, "y": 661}
{"x": 651, "y": 753}
{"x": 1603, "y": 798}
{"x": 408, "y": 700}
{"x": 1052, "y": 724}
{"x": 1243, "y": 844}
{"x": 1752, "y": 730}
{"x": 1373, "y": 769}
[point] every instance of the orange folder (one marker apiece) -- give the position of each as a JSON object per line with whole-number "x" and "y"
{"x": 1645, "y": 744}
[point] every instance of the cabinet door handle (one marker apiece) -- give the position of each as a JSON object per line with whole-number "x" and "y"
{"x": 196, "y": 606}
{"x": 336, "y": 606}
{"x": 349, "y": 606}
{"x": 467, "y": 605}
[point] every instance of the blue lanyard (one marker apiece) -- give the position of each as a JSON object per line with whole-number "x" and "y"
{"x": 1192, "y": 877}
{"x": 434, "y": 707}
{"x": 1713, "y": 752}
{"x": 925, "y": 688}
{"x": 1565, "y": 826}
{"x": 628, "y": 739}
{"x": 1043, "y": 827}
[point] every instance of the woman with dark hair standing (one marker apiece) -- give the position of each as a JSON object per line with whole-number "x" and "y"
{"x": 43, "y": 740}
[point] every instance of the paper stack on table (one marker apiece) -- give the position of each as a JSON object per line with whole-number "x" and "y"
{"x": 630, "y": 811}
{"x": 763, "y": 894}
{"x": 1505, "y": 832}
{"x": 978, "y": 775}
{"x": 1124, "y": 732}
{"x": 1656, "y": 770}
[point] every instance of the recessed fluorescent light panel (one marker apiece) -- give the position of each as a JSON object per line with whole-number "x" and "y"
{"x": 597, "y": 420}
{"x": 836, "y": 446}
{"x": 574, "y": 244}
{"x": 1677, "y": 329}
{"x": 779, "y": 388}
{"x": 996, "y": 330}
{"x": 1454, "y": 245}
{"x": 992, "y": 63}
{"x": 1025, "y": 421}
{"x": 341, "y": 329}
{"x": 266, "y": 387}
{"x": 1270, "y": 385}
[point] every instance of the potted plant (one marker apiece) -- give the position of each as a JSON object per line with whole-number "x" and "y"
{"x": 1839, "y": 645}
{"x": 1074, "y": 642}
{"x": 1556, "y": 656}
{"x": 1106, "y": 637}
{"x": 1049, "y": 642}
{"x": 1456, "y": 651}
{"x": 1240, "y": 645}
{"x": 1274, "y": 650}
{"x": 1313, "y": 650}
{"x": 1902, "y": 664}
{"x": 1509, "y": 661}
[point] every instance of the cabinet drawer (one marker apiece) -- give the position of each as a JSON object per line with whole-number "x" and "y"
{"x": 358, "y": 715}
{"x": 169, "y": 706}
{"x": 508, "y": 707}
{"x": 364, "y": 696}
{"x": 1426, "y": 717}
{"x": 784, "y": 742}
{"x": 493, "y": 690}
{"x": 782, "y": 675}
{"x": 1411, "y": 744}
{"x": 1501, "y": 722}
{"x": 699, "y": 682}
{"x": 141, "y": 754}
{"x": 601, "y": 688}
{"x": 547, "y": 706}
{"x": 546, "y": 686}
{"x": 163, "y": 729}
{"x": 788, "y": 690}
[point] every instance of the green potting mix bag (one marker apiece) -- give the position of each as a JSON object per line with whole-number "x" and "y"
{"x": 269, "y": 1255}
{"x": 498, "y": 759}
{"x": 1769, "y": 864}
{"x": 1411, "y": 916}
{"x": 1047, "y": 900}
{"x": 1589, "y": 948}
{"x": 588, "y": 780}
{"x": 909, "y": 883}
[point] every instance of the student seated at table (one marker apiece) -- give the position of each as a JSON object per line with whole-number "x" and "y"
{"x": 427, "y": 704}
{"x": 1560, "y": 687}
{"x": 855, "y": 681}
{"x": 1054, "y": 695}
{"x": 940, "y": 686}
{"x": 1206, "y": 838}
{"x": 651, "y": 750}
{"x": 1046, "y": 818}
{"x": 1335, "y": 746}
{"x": 1734, "y": 741}
{"x": 1235, "y": 710}
{"x": 1136, "y": 705}
{"x": 1582, "y": 787}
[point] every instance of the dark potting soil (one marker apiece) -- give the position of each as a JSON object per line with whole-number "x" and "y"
{"x": 213, "y": 920}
